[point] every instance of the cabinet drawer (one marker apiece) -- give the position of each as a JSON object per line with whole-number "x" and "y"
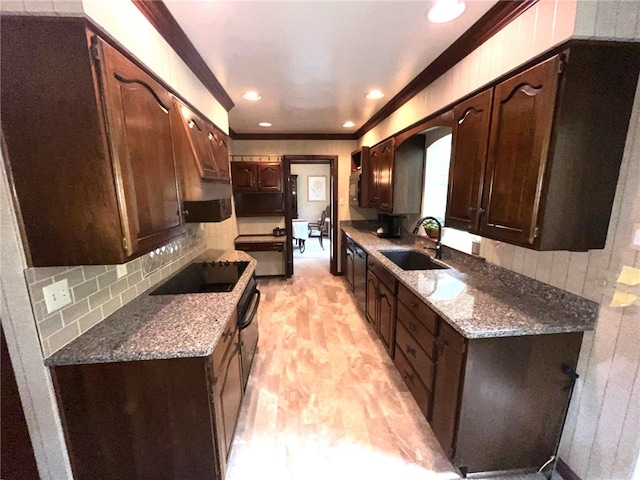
{"x": 423, "y": 337}
{"x": 421, "y": 393}
{"x": 419, "y": 360}
{"x": 229, "y": 337}
{"x": 383, "y": 274}
{"x": 418, "y": 308}
{"x": 260, "y": 246}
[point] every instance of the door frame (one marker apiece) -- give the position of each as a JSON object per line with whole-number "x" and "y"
{"x": 332, "y": 161}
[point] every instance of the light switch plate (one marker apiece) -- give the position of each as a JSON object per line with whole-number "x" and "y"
{"x": 56, "y": 295}
{"x": 635, "y": 241}
{"x": 121, "y": 270}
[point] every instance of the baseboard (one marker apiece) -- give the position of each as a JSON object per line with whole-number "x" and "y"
{"x": 565, "y": 470}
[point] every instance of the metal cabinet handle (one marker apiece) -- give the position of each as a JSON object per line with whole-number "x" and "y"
{"x": 411, "y": 351}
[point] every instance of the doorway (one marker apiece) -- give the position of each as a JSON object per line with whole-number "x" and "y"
{"x": 312, "y": 186}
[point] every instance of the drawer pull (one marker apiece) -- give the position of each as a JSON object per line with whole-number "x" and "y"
{"x": 412, "y": 326}
{"x": 411, "y": 351}
{"x": 414, "y": 305}
{"x": 407, "y": 376}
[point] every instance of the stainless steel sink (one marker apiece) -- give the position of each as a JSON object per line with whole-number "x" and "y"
{"x": 412, "y": 260}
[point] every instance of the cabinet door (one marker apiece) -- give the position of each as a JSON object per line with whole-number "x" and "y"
{"x": 269, "y": 178}
{"x": 521, "y": 121}
{"x": 244, "y": 177}
{"x": 137, "y": 111}
{"x": 446, "y": 390}
{"x": 385, "y": 177}
{"x": 372, "y": 299}
{"x": 470, "y": 141}
{"x": 370, "y": 177}
{"x": 197, "y": 134}
{"x": 219, "y": 148}
{"x": 387, "y": 317}
{"x": 349, "y": 267}
{"x": 227, "y": 399}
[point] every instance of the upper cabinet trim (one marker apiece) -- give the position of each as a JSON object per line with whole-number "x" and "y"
{"x": 502, "y": 13}
{"x": 159, "y": 16}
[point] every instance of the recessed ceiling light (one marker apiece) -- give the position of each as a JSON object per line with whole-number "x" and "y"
{"x": 252, "y": 96}
{"x": 348, "y": 124}
{"x": 374, "y": 95}
{"x": 264, "y": 124}
{"x": 444, "y": 11}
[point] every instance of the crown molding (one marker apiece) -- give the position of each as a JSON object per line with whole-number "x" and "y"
{"x": 501, "y": 14}
{"x": 160, "y": 17}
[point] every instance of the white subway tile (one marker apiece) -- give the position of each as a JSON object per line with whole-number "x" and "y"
{"x": 565, "y": 20}
{"x": 543, "y": 270}
{"x": 577, "y": 272}
{"x": 41, "y": 7}
{"x": 530, "y": 263}
{"x": 12, "y": 6}
{"x": 586, "y": 13}
{"x": 518, "y": 259}
{"x": 559, "y": 268}
{"x": 606, "y": 19}
{"x": 627, "y": 19}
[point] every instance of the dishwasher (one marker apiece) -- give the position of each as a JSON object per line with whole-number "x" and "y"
{"x": 360, "y": 276}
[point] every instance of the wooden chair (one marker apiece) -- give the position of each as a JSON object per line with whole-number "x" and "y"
{"x": 320, "y": 228}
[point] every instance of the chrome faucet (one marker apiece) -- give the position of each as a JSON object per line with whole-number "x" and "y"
{"x": 438, "y": 247}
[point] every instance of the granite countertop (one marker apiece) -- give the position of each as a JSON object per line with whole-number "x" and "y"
{"x": 160, "y": 326}
{"x": 481, "y": 300}
{"x": 260, "y": 239}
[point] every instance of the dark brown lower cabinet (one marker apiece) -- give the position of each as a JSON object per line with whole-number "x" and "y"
{"x": 381, "y": 303}
{"x": 513, "y": 400}
{"x": 152, "y": 419}
{"x": 493, "y": 403}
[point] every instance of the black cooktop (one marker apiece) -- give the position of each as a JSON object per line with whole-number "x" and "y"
{"x": 204, "y": 277}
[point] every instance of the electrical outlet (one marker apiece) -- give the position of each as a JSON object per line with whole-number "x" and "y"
{"x": 121, "y": 270}
{"x": 56, "y": 295}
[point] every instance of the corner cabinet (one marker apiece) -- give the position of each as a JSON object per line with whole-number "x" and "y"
{"x": 553, "y": 136}
{"x": 93, "y": 175}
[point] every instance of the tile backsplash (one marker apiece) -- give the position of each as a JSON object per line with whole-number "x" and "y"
{"x": 97, "y": 291}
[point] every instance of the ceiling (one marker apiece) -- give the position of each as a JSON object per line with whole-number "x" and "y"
{"x": 314, "y": 61}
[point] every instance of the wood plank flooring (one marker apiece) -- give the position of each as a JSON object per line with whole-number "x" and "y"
{"x": 324, "y": 400}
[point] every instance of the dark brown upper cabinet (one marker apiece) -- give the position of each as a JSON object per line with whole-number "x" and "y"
{"x": 392, "y": 178}
{"x": 219, "y": 147}
{"x": 369, "y": 180}
{"x": 519, "y": 142}
{"x": 360, "y": 161}
{"x": 199, "y": 144}
{"x": 554, "y": 147}
{"x": 468, "y": 155}
{"x": 203, "y": 178}
{"x": 256, "y": 177}
{"x": 93, "y": 175}
{"x": 384, "y": 177}
{"x": 257, "y": 189}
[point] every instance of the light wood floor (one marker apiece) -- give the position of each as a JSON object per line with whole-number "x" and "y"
{"x": 324, "y": 400}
